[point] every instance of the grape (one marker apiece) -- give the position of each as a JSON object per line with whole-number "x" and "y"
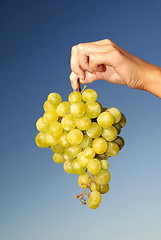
{"x": 57, "y": 149}
{"x": 77, "y": 109}
{"x": 50, "y": 116}
{"x": 95, "y": 198}
{"x": 116, "y": 113}
{"x": 120, "y": 141}
{"x": 122, "y": 122}
{"x": 99, "y": 145}
{"x": 104, "y": 188}
{"x": 89, "y": 152}
{"x": 104, "y": 164}
{"x": 103, "y": 177}
{"x": 51, "y": 140}
{"x": 40, "y": 140}
{"x": 41, "y": 125}
{"x": 77, "y": 169}
{"x": 58, "y": 158}
{"x": 113, "y": 149}
{"x": 109, "y": 133}
{"x": 82, "y": 160}
{"x": 94, "y": 186}
{"x": 105, "y": 119}
{"x": 92, "y": 206}
{"x": 86, "y": 142}
{"x": 118, "y": 127}
{"x": 48, "y": 106}
{"x": 94, "y": 131}
{"x": 75, "y": 97}
{"x": 83, "y": 122}
{"x": 63, "y": 108}
{"x": 93, "y": 109}
{"x": 73, "y": 151}
{"x": 54, "y": 99}
{"x": 68, "y": 167}
{"x": 63, "y": 140}
{"x": 68, "y": 122}
{"x": 75, "y": 137}
{"x": 94, "y": 166}
{"x": 89, "y": 95}
{"x": 84, "y": 180}
{"x": 56, "y": 129}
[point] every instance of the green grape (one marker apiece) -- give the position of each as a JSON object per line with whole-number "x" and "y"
{"x": 116, "y": 113}
{"x": 94, "y": 131}
{"x": 94, "y": 186}
{"x": 63, "y": 108}
{"x": 75, "y": 137}
{"x": 84, "y": 180}
{"x": 105, "y": 119}
{"x": 68, "y": 167}
{"x": 92, "y": 206}
{"x": 83, "y": 122}
{"x": 58, "y": 158}
{"x": 86, "y": 142}
{"x": 109, "y": 133}
{"x": 113, "y": 149}
{"x": 102, "y": 156}
{"x": 73, "y": 151}
{"x": 75, "y": 97}
{"x": 41, "y": 125}
{"x": 103, "y": 177}
{"x": 89, "y": 152}
{"x": 68, "y": 122}
{"x": 120, "y": 141}
{"x": 54, "y": 99}
{"x": 40, "y": 140}
{"x": 82, "y": 160}
{"x": 94, "y": 166}
{"x": 77, "y": 109}
{"x": 55, "y": 128}
{"x": 50, "y": 116}
{"x": 47, "y": 106}
{"x": 118, "y": 127}
{"x": 95, "y": 198}
{"x": 89, "y": 95}
{"x": 104, "y": 164}
{"x": 63, "y": 140}
{"x": 51, "y": 140}
{"x": 93, "y": 109}
{"x": 104, "y": 188}
{"x": 77, "y": 169}
{"x": 122, "y": 122}
{"x": 68, "y": 157}
{"x": 57, "y": 149}
{"x": 100, "y": 145}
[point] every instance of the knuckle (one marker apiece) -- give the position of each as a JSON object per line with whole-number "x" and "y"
{"x": 108, "y": 41}
{"x": 74, "y": 49}
{"x": 80, "y": 46}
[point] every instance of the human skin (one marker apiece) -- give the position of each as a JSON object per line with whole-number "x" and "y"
{"x": 107, "y": 61}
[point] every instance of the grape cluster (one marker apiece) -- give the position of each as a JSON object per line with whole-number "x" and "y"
{"x": 83, "y": 135}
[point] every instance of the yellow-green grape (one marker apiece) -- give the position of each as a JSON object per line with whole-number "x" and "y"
{"x": 75, "y": 97}
{"x": 83, "y": 122}
{"x": 103, "y": 177}
{"x": 104, "y": 188}
{"x": 63, "y": 108}
{"x": 86, "y": 142}
{"x": 41, "y": 125}
{"x": 73, "y": 151}
{"x": 68, "y": 122}
{"x": 63, "y": 140}
{"x": 82, "y": 160}
{"x": 92, "y": 206}
{"x": 89, "y": 152}
{"x": 89, "y": 95}
{"x": 56, "y": 129}
{"x": 58, "y": 158}
{"x": 51, "y": 140}
{"x": 40, "y": 140}
{"x": 102, "y": 156}
{"x": 116, "y": 113}
{"x": 48, "y": 106}
{"x": 110, "y": 133}
{"x": 77, "y": 169}
{"x": 100, "y": 145}
{"x": 94, "y": 186}
{"x": 57, "y": 149}
{"x": 93, "y": 109}
{"x": 94, "y": 131}
{"x": 68, "y": 167}
{"x": 95, "y": 198}
{"x": 68, "y": 157}
{"x": 75, "y": 137}
{"x": 120, "y": 141}
{"x": 84, "y": 180}
{"x": 50, "y": 116}
{"x": 122, "y": 122}
{"x": 113, "y": 149}
{"x": 55, "y": 99}
{"x": 118, "y": 127}
{"x": 77, "y": 109}
{"x": 94, "y": 166}
{"x": 105, "y": 119}
{"x": 104, "y": 164}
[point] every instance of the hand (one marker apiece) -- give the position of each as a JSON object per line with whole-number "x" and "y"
{"x": 105, "y": 60}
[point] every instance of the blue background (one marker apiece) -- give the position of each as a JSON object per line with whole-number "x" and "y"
{"x": 37, "y": 200}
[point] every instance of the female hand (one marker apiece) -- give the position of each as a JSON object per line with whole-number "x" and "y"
{"x": 105, "y": 60}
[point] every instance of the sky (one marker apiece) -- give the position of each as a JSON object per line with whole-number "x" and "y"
{"x": 37, "y": 197}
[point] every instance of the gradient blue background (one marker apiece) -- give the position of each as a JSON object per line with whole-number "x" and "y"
{"x": 37, "y": 200}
